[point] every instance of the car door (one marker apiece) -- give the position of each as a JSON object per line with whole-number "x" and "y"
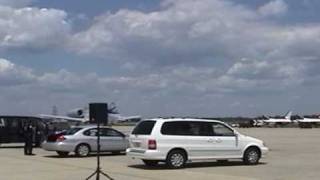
{"x": 3, "y": 130}
{"x": 199, "y": 147}
{"x": 14, "y": 130}
{"x": 112, "y": 140}
{"x": 224, "y": 142}
{"x": 190, "y": 135}
{"x": 90, "y": 137}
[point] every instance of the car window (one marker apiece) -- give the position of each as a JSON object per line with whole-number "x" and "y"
{"x": 14, "y": 123}
{"x": 144, "y": 128}
{"x": 72, "y": 131}
{"x": 2, "y": 124}
{"x": 221, "y": 130}
{"x": 175, "y": 128}
{"x": 110, "y": 133}
{"x": 186, "y": 128}
{"x": 91, "y": 132}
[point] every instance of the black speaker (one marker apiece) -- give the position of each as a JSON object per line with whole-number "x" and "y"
{"x": 98, "y": 113}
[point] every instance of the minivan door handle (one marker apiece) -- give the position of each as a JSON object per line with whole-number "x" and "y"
{"x": 214, "y": 140}
{"x": 210, "y": 140}
{"x": 218, "y": 140}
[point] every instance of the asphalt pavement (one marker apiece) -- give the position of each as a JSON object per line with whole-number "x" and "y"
{"x": 295, "y": 154}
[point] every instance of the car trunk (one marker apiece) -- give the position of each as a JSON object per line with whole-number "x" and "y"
{"x": 69, "y": 132}
{"x": 54, "y": 137}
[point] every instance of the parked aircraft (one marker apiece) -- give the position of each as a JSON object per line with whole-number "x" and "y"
{"x": 309, "y": 121}
{"x": 278, "y": 121}
{"x": 81, "y": 115}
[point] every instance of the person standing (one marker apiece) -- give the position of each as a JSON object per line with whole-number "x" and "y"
{"x": 28, "y": 138}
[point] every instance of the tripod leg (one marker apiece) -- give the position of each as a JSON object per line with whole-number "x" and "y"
{"x": 106, "y": 175}
{"x": 95, "y": 172}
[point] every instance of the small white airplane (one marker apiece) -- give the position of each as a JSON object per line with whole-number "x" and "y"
{"x": 81, "y": 115}
{"x": 279, "y": 121}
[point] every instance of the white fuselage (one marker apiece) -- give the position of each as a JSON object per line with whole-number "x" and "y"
{"x": 272, "y": 120}
{"x": 309, "y": 120}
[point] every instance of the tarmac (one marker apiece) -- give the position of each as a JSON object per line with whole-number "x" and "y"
{"x": 295, "y": 154}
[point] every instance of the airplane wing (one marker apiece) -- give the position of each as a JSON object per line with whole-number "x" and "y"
{"x": 63, "y": 118}
{"x": 119, "y": 118}
{"x": 113, "y": 118}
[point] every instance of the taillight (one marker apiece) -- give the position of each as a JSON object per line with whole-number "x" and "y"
{"x": 60, "y": 139}
{"x": 54, "y": 137}
{"x": 152, "y": 144}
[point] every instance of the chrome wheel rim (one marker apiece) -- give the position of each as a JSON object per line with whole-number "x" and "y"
{"x": 83, "y": 150}
{"x": 253, "y": 156}
{"x": 177, "y": 160}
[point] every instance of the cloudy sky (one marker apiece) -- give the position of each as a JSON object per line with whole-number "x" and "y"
{"x": 161, "y": 57}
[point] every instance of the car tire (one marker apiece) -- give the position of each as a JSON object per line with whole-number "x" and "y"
{"x": 251, "y": 156}
{"x": 150, "y": 162}
{"x": 62, "y": 153}
{"x": 37, "y": 144}
{"x": 176, "y": 159}
{"x": 82, "y": 150}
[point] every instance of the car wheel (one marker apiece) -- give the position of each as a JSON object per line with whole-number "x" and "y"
{"x": 251, "y": 156}
{"x": 150, "y": 162}
{"x": 82, "y": 150}
{"x": 176, "y": 159}
{"x": 62, "y": 153}
{"x": 37, "y": 144}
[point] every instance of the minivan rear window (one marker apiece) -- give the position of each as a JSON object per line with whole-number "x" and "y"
{"x": 144, "y": 128}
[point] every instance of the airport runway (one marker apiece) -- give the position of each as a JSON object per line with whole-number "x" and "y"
{"x": 295, "y": 154}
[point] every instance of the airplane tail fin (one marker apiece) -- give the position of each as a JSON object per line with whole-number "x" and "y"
{"x": 265, "y": 117}
{"x": 288, "y": 115}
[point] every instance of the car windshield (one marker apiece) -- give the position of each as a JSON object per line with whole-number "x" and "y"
{"x": 72, "y": 131}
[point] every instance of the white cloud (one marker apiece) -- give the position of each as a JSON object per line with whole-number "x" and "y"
{"x": 182, "y": 31}
{"x": 189, "y": 32}
{"x": 204, "y": 33}
{"x": 12, "y": 75}
{"x": 204, "y": 48}
{"x": 31, "y": 27}
{"x": 273, "y": 8}
{"x": 161, "y": 92}
{"x": 254, "y": 69}
{"x": 5, "y": 65}
{"x": 201, "y": 54}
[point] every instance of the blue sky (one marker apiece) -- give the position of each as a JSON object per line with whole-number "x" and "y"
{"x": 160, "y": 57}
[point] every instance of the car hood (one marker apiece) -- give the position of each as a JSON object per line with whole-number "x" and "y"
{"x": 251, "y": 139}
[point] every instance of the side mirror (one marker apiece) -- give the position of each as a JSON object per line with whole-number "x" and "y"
{"x": 123, "y": 136}
{"x": 236, "y": 133}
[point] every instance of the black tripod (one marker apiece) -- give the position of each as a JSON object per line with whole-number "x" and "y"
{"x": 98, "y": 171}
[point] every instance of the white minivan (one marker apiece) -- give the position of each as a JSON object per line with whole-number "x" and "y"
{"x": 177, "y": 141}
